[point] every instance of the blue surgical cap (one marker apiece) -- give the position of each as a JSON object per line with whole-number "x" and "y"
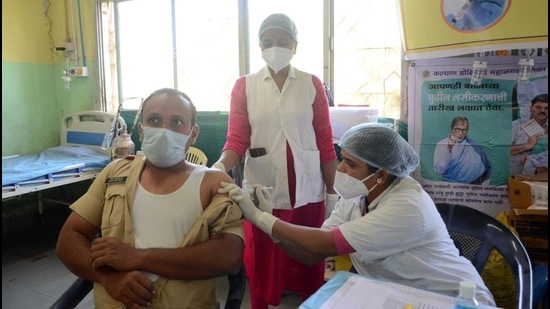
{"x": 380, "y": 147}
{"x": 281, "y": 22}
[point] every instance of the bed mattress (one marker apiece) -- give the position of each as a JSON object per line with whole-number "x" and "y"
{"x": 65, "y": 160}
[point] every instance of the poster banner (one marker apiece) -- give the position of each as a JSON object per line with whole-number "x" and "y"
{"x": 446, "y": 28}
{"x": 464, "y": 133}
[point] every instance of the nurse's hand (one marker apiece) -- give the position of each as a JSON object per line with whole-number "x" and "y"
{"x": 259, "y": 218}
{"x": 260, "y": 196}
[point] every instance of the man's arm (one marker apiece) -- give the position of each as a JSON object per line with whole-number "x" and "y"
{"x": 73, "y": 246}
{"x": 220, "y": 255}
{"x": 73, "y": 249}
{"x": 517, "y": 149}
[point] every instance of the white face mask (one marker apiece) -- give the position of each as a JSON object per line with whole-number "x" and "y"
{"x": 349, "y": 187}
{"x": 277, "y": 57}
{"x": 163, "y": 147}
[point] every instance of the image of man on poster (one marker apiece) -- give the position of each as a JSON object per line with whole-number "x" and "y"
{"x": 458, "y": 158}
{"x": 529, "y": 150}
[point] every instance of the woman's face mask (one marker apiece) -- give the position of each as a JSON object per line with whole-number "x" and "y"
{"x": 277, "y": 58}
{"x": 350, "y": 187}
{"x": 163, "y": 147}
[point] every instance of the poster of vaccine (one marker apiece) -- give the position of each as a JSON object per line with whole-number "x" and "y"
{"x": 468, "y": 131}
{"x": 445, "y": 28}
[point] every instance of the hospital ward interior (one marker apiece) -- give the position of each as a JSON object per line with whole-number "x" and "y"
{"x": 441, "y": 73}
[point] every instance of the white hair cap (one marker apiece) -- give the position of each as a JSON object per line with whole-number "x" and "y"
{"x": 380, "y": 147}
{"x": 281, "y": 22}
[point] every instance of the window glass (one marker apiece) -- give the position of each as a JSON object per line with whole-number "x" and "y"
{"x": 145, "y": 47}
{"x": 202, "y": 61}
{"x": 367, "y": 55}
{"x": 207, "y": 43}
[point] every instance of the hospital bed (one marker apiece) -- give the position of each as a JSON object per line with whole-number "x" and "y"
{"x": 79, "y": 157}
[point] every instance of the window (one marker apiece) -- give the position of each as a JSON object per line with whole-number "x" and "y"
{"x": 145, "y": 47}
{"x": 192, "y": 46}
{"x": 202, "y": 47}
{"x": 367, "y": 55}
{"x": 207, "y": 44}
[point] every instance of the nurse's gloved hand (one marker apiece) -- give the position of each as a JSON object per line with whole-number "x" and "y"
{"x": 218, "y": 165}
{"x": 259, "y": 195}
{"x": 263, "y": 220}
{"x": 477, "y": 15}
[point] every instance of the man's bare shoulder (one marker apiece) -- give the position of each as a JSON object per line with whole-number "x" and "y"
{"x": 213, "y": 177}
{"x": 216, "y": 174}
{"x": 211, "y": 184}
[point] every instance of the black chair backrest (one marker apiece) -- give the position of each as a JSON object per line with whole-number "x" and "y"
{"x": 74, "y": 294}
{"x": 82, "y": 287}
{"x": 476, "y": 234}
{"x": 237, "y": 287}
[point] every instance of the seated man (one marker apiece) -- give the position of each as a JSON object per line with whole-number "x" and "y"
{"x": 166, "y": 231}
{"x": 530, "y": 137}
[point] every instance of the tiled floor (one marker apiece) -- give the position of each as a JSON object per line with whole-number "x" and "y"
{"x": 33, "y": 277}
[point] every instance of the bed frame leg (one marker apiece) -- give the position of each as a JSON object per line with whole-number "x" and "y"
{"x": 41, "y": 209}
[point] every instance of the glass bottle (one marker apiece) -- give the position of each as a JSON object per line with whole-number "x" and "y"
{"x": 124, "y": 146}
{"x": 466, "y": 296}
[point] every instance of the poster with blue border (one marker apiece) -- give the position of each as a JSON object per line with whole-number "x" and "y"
{"x": 446, "y": 110}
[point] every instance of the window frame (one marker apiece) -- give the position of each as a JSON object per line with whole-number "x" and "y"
{"x": 245, "y": 46}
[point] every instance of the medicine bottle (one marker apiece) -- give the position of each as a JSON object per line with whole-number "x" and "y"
{"x": 466, "y": 296}
{"x": 124, "y": 146}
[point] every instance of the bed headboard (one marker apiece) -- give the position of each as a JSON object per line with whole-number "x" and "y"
{"x": 88, "y": 128}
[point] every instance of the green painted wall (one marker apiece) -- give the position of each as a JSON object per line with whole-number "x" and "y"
{"x": 33, "y": 94}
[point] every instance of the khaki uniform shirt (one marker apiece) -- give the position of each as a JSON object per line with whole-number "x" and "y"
{"x": 107, "y": 205}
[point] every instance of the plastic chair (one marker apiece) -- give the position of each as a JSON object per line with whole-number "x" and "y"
{"x": 195, "y": 155}
{"x": 476, "y": 234}
{"x": 74, "y": 294}
{"x": 237, "y": 287}
{"x": 82, "y": 287}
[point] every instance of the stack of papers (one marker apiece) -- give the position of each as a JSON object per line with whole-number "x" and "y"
{"x": 384, "y": 295}
{"x": 348, "y": 290}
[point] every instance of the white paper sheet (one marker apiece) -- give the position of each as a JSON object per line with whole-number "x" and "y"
{"x": 358, "y": 292}
{"x": 532, "y": 128}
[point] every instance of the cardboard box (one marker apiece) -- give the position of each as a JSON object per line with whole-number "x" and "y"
{"x": 524, "y": 190}
{"x": 532, "y": 228}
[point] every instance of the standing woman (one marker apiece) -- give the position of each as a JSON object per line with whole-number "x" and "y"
{"x": 279, "y": 122}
